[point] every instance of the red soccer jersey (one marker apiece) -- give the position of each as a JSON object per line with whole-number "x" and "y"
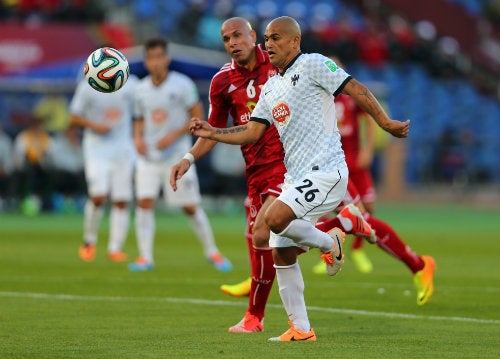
{"x": 234, "y": 91}
{"x": 347, "y": 116}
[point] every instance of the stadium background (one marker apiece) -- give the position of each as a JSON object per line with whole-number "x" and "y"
{"x": 437, "y": 65}
{"x": 53, "y": 305}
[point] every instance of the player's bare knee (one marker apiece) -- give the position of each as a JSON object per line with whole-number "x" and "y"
{"x": 260, "y": 237}
{"x": 146, "y": 203}
{"x": 274, "y": 222}
{"x": 190, "y": 210}
{"x": 120, "y": 204}
{"x": 98, "y": 201}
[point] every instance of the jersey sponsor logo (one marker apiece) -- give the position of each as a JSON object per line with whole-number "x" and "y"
{"x": 112, "y": 114}
{"x": 251, "y": 105}
{"x": 281, "y": 113}
{"x": 244, "y": 118}
{"x": 159, "y": 116}
{"x": 331, "y": 65}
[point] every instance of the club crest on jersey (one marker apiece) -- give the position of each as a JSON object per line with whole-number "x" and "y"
{"x": 112, "y": 114}
{"x": 281, "y": 113}
{"x": 159, "y": 116}
{"x": 295, "y": 79}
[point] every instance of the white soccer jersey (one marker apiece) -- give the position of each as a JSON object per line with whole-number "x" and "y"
{"x": 115, "y": 109}
{"x": 300, "y": 102}
{"x": 165, "y": 108}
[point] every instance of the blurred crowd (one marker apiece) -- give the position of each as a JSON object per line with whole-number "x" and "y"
{"x": 41, "y": 164}
{"x": 33, "y": 11}
{"x": 41, "y": 170}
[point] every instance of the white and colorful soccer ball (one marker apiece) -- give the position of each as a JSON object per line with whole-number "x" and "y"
{"x": 106, "y": 70}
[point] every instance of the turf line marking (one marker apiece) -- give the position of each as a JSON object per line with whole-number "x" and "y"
{"x": 239, "y": 304}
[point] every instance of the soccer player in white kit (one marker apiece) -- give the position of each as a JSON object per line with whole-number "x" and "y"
{"x": 300, "y": 102}
{"x": 164, "y": 102}
{"x": 109, "y": 156}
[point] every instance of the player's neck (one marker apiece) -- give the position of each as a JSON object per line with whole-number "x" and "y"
{"x": 159, "y": 78}
{"x": 250, "y": 65}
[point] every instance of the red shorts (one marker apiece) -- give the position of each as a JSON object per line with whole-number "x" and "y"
{"x": 362, "y": 180}
{"x": 267, "y": 181}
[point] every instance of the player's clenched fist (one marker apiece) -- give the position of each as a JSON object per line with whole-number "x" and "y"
{"x": 200, "y": 128}
{"x": 398, "y": 128}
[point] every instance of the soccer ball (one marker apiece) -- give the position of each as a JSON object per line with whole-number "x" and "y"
{"x": 106, "y": 70}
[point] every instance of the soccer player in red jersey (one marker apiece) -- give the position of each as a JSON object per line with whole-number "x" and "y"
{"x": 361, "y": 192}
{"x": 358, "y": 151}
{"x": 234, "y": 91}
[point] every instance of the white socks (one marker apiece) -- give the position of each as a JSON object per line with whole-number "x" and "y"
{"x": 304, "y": 233}
{"x": 92, "y": 216}
{"x": 119, "y": 223}
{"x": 144, "y": 232}
{"x": 291, "y": 288}
{"x": 201, "y": 226}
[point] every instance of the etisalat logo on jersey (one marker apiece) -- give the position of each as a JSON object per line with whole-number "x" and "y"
{"x": 281, "y": 113}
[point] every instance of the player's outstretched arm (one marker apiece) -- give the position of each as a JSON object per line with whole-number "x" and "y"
{"x": 100, "y": 128}
{"x": 364, "y": 98}
{"x": 236, "y": 135}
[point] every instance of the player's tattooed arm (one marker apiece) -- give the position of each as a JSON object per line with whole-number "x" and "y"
{"x": 365, "y": 98}
{"x": 236, "y": 135}
{"x": 235, "y": 129}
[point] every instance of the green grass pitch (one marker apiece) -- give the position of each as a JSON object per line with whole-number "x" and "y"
{"x": 52, "y": 305}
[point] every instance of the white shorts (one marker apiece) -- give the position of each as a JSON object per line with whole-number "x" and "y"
{"x": 110, "y": 178}
{"x": 315, "y": 195}
{"x": 151, "y": 176}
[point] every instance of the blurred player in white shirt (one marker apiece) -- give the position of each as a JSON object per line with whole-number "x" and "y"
{"x": 109, "y": 156}
{"x": 164, "y": 103}
{"x": 299, "y": 102}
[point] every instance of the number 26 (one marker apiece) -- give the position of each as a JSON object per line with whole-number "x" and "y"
{"x": 311, "y": 193}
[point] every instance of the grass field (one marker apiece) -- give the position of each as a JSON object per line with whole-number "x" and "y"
{"x": 52, "y": 305}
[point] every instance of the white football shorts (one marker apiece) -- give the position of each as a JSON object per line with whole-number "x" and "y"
{"x": 311, "y": 197}
{"x": 151, "y": 176}
{"x": 110, "y": 178}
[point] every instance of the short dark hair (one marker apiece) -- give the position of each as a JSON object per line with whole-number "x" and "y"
{"x": 156, "y": 42}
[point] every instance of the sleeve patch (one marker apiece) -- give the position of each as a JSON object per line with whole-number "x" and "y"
{"x": 331, "y": 65}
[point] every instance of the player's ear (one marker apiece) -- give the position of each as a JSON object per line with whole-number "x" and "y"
{"x": 253, "y": 35}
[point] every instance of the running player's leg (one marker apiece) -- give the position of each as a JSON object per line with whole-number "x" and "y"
{"x": 188, "y": 197}
{"x": 363, "y": 182}
{"x": 290, "y": 219}
{"x": 121, "y": 195}
{"x": 97, "y": 176}
{"x": 262, "y": 266}
{"x": 147, "y": 186}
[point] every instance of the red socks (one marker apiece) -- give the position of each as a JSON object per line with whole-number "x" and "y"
{"x": 263, "y": 273}
{"x": 389, "y": 241}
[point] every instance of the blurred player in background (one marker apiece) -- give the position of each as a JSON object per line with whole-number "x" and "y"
{"x": 164, "y": 102}
{"x": 234, "y": 91}
{"x": 299, "y": 102}
{"x": 109, "y": 157}
{"x": 360, "y": 199}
